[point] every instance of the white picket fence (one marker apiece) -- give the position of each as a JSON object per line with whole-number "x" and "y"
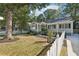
{"x": 56, "y": 46}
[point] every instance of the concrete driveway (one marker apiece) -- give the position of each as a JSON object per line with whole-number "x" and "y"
{"x": 74, "y": 38}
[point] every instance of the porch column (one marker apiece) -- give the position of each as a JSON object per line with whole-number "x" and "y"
{"x": 71, "y": 27}
{"x": 51, "y": 27}
{"x": 47, "y": 26}
{"x": 57, "y": 27}
{"x": 37, "y": 27}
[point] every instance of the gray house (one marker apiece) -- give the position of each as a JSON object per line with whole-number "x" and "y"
{"x": 57, "y": 25}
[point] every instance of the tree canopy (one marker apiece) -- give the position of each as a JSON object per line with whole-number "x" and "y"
{"x": 72, "y": 10}
{"x": 41, "y": 18}
{"x": 50, "y": 14}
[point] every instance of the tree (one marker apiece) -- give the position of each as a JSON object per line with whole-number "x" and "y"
{"x": 50, "y": 14}
{"x": 50, "y": 35}
{"x": 72, "y": 10}
{"x": 40, "y": 18}
{"x": 34, "y": 7}
{"x": 24, "y": 17}
{"x": 2, "y": 24}
{"x": 7, "y": 11}
{"x": 33, "y": 17}
{"x": 21, "y": 17}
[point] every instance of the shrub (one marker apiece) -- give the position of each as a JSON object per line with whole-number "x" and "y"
{"x": 50, "y": 35}
{"x": 44, "y": 31}
{"x": 32, "y": 32}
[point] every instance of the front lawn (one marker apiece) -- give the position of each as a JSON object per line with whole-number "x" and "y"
{"x": 25, "y": 46}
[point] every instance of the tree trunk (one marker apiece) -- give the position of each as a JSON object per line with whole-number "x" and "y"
{"x": 8, "y": 35}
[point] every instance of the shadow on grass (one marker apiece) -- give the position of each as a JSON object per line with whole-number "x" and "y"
{"x": 4, "y": 41}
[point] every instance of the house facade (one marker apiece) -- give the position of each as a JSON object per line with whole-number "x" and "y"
{"x": 56, "y": 25}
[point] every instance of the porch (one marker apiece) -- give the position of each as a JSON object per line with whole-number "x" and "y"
{"x": 66, "y": 26}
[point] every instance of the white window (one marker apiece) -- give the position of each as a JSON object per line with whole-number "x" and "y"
{"x": 49, "y": 26}
{"x": 61, "y": 26}
{"x": 68, "y": 25}
{"x": 53, "y": 26}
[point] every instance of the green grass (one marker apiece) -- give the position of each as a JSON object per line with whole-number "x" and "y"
{"x": 25, "y": 46}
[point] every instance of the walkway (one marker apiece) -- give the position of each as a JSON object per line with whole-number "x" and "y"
{"x": 74, "y": 42}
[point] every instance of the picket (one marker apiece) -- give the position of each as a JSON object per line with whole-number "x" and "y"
{"x": 56, "y": 46}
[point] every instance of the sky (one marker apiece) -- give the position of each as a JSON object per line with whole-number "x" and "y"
{"x": 1, "y": 18}
{"x": 51, "y": 6}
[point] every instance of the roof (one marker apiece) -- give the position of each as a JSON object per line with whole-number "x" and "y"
{"x": 58, "y": 20}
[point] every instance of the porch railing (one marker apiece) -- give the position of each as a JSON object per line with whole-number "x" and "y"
{"x": 76, "y": 30}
